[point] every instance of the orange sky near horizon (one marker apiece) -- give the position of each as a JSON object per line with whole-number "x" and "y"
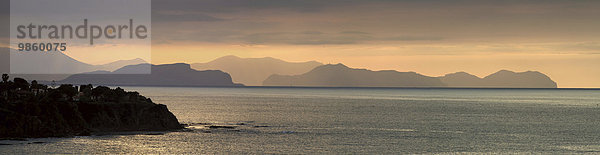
{"x": 568, "y": 70}
{"x": 556, "y": 37}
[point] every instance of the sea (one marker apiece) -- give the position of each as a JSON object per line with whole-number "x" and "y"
{"x": 270, "y": 120}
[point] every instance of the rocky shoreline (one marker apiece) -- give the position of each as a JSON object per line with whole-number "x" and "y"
{"x": 36, "y": 111}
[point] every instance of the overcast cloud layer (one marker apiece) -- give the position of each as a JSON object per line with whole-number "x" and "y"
{"x": 317, "y": 22}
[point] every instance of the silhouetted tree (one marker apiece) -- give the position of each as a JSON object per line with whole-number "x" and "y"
{"x": 87, "y": 89}
{"x": 4, "y": 86}
{"x": 21, "y": 83}
{"x": 120, "y": 91}
{"x": 100, "y": 92}
{"x": 5, "y": 78}
{"x": 67, "y": 90}
{"x": 34, "y": 84}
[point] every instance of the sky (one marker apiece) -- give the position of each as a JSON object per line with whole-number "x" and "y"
{"x": 557, "y": 37}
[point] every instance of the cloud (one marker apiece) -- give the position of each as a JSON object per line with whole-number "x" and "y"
{"x": 304, "y": 38}
{"x": 229, "y": 6}
{"x": 321, "y": 22}
{"x": 414, "y": 38}
{"x": 583, "y": 46}
{"x": 322, "y": 38}
{"x": 160, "y": 42}
{"x": 183, "y": 17}
{"x": 354, "y": 32}
{"x": 311, "y": 32}
{"x": 288, "y": 38}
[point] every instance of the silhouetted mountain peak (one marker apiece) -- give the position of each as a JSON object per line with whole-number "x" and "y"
{"x": 227, "y": 58}
{"x": 338, "y": 66}
{"x": 46, "y": 63}
{"x": 134, "y": 69}
{"x": 533, "y": 72}
{"x": 252, "y": 71}
{"x": 175, "y": 66}
{"x": 236, "y": 59}
{"x": 502, "y": 78}
{"x": 136, "y": 60}
{"x": 502, "y": 72}
{"x": 340, "y": 75}
{"x": 121, "y": 63}
{"x": 332, "y": 68}
{"x": 461, "y": 74}
{"x": 268, "y": 58}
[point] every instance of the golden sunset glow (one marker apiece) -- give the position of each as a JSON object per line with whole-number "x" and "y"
{"x": 432, "y": 38}
{"x": 568, "y": 69}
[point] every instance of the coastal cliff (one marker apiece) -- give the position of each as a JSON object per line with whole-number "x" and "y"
{"x": 34, "y": 110}
{"x": 178, "y": 75}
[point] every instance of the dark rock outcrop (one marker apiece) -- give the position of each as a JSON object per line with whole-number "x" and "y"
{"x": 61, "y": 119}
{"x": 35, "y": 111}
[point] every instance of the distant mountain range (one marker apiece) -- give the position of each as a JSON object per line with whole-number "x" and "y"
{"x": 253, "y": 71}
{"x": 339, "y": 75}
{"x": 178, "y": 74}
{"x": 58, "y": 63}
{"x": 49, "y": 66}
{"x": 229, "y": 70}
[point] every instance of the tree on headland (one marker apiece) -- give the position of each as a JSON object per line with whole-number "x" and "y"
{"x": 20, "y": 90}
{"x": 4, "y": 87}
{"x": 5, "y": 78}
{"x": 68, "y": 90}
{"x": 21, "y": 83}
{"x": 100, "y": 92}
{"x": 35, "y": 85}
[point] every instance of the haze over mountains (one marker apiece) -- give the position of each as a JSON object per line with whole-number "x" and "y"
{"x": 48, "y": 66}
{"x": 253, "y": 71}
{"x": 59, "y": 63}
{"x": 229, "y": 70}
{"x": 339, "y": 75}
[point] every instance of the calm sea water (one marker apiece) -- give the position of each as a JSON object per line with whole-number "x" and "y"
{"x": 336, "y": 120}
